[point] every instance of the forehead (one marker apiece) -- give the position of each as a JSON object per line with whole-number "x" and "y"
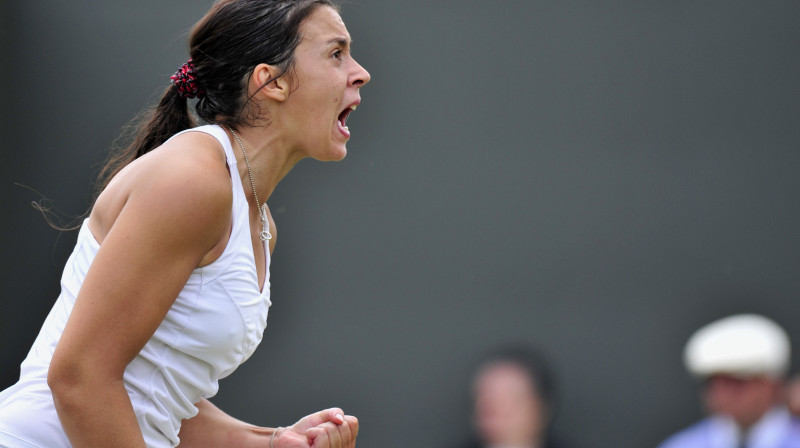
{"x": 324, "y": 24}
{"x": 500, "y": 373}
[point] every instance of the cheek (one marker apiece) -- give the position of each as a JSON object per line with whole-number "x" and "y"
{"x": 731, "y": 400}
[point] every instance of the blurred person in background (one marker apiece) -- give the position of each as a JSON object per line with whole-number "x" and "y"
{"x": 513, "y": 400}
{"x": 742, "y": 361}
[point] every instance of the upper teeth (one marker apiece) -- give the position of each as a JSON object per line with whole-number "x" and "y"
{"x": 353, "y": 107}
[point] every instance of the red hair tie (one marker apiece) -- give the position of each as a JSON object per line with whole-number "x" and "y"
{"x": 185, "y": 80}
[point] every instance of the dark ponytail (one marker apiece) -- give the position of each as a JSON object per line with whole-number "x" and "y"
{"x": 165, "y": 120}
{"x": 225, "y": 46}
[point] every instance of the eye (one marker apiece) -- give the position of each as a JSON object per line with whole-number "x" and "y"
{"x": 337, "y": 54}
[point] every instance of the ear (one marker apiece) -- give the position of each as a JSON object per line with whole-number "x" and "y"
{"x": 276, "y": 90}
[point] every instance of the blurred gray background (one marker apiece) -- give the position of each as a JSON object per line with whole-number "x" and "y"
{"x": 598, "y": 179}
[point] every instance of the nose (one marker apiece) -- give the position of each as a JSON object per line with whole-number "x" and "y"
{"x": 360, "y": 76}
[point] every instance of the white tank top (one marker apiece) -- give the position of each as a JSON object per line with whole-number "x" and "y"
{"x": 214, "y": 325}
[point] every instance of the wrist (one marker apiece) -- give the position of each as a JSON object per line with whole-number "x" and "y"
{"x": 275, "y": 435}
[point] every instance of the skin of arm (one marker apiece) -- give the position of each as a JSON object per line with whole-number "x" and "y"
{"x": 157, "y": 221}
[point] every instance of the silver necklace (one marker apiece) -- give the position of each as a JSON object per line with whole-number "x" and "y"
{"x": 262, "y": 209}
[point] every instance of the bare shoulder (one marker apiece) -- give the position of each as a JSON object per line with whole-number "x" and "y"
{"x": 184, "y": 182}
{"x": 188, "y": 171}
{"x": 193, "y": 160}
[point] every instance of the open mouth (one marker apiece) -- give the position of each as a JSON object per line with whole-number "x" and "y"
{"x": 343, "y": 119}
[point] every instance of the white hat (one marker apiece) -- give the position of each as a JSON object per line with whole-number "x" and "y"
{"x": 743, "y": 345}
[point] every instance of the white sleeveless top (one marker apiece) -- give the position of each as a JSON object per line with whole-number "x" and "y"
{"x": 214, "y": 325}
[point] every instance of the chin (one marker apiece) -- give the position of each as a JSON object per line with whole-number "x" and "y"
{"x": 335, "y": 155}
{"x": 327, "y": 153}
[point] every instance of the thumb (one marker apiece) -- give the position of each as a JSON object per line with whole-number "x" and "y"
{"x": 334, "y": 415}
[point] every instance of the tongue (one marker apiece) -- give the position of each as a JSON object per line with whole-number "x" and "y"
{"x": 342, "y": 128}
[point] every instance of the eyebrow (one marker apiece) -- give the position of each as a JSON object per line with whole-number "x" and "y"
{"x": 340, "y": 40}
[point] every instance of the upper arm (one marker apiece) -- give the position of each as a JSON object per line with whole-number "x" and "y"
{"x": 171, "y": 217}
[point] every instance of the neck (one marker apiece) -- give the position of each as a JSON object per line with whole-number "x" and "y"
{"x": 270, "y": 159}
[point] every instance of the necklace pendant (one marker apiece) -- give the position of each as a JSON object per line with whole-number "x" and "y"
{"x": 264, "y": 235}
